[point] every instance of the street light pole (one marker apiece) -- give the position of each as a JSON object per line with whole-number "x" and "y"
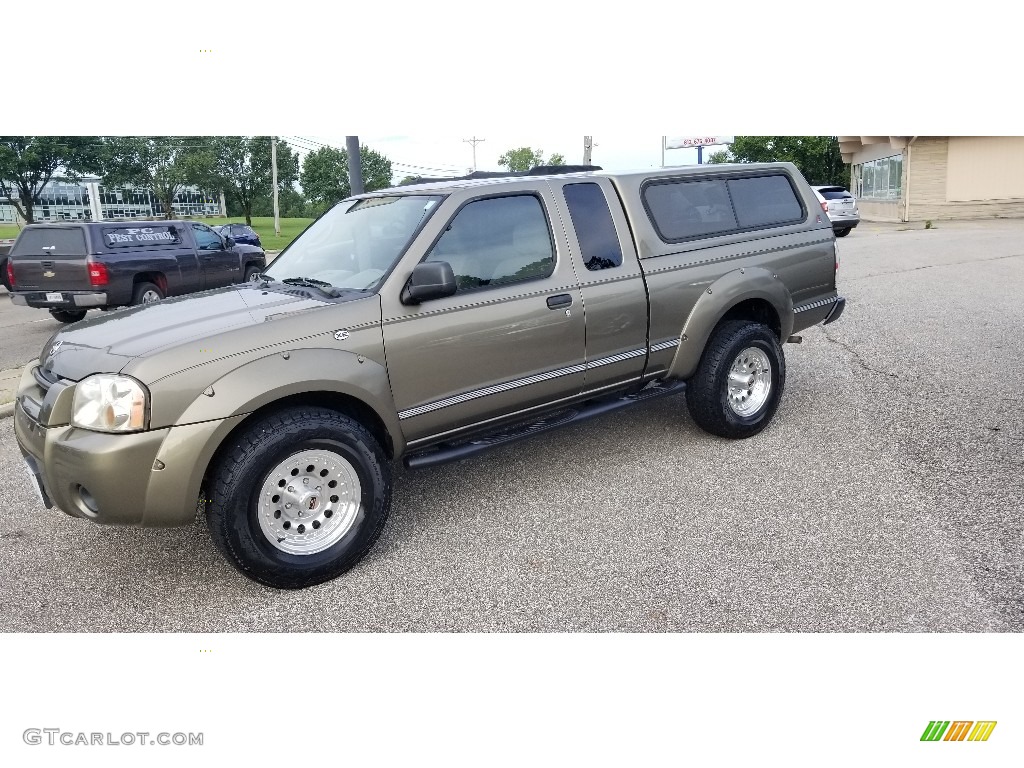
{"x": 273, "y": 163}
{"x": 355, "y": 168}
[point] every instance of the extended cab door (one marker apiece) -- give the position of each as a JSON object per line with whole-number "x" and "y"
{"x": 513, "y": 335}
{"x": 611, "y": 281}
{"x": 220, "y": 264}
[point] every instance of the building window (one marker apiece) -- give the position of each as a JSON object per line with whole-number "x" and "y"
{"x": 880, "y": 179}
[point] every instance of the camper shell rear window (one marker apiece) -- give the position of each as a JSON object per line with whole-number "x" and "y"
{"x": 50, "y": 241}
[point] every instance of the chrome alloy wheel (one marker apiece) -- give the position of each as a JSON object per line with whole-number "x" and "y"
{"x": 750, "y": 381}
{"x": 149, "y": 297}
{"x": 309, "y": 501}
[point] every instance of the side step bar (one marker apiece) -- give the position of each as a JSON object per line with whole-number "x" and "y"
{"x": 448, "y": 452}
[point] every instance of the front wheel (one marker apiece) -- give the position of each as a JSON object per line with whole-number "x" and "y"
{"x": 67, "y": 315}
{"x": 300, "y": 498}
{"x": 739, "y": 381}
{"x": 250, "y": 272}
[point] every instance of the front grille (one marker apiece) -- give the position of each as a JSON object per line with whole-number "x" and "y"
{"x": 45, "y": 379}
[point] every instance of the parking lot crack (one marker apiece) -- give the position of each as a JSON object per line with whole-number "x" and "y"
{"x": 932, "y": 266}
{"x": 856, "y": 357}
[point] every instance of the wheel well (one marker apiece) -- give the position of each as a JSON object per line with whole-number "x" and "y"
{"x": 157, "y": 278}
{"x": 335, "y": 401}
{"x": 758, "y": 311}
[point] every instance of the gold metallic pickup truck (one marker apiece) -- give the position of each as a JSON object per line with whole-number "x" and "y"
{"x": 427, "y": 323}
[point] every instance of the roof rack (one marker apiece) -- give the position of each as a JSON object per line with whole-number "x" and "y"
{"x": 540, "y": 170}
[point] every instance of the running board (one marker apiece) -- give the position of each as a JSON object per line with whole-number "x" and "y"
{"x": 448, "y": 452}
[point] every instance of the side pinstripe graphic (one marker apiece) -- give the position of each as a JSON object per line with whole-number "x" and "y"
{"x": 517, "y": 383}
{"x": 664, "y": 345}
{"x": 617, "y": 358}
{"x": 493, "y": 390}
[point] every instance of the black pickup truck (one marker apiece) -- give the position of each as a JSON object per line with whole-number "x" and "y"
{"x": 70, "y": 268}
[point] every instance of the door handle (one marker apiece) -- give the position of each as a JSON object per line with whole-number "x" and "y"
{"x": 559, "y": 301}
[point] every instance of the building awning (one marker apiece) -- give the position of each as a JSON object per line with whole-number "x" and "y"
{"x": 848, "y": 145}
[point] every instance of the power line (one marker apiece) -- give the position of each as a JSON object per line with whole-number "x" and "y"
{"x": 474, "y": 141}
{"x": 409, "y": 166}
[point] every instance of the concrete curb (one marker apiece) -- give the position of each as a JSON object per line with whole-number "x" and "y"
{"x": 6, "y": 410}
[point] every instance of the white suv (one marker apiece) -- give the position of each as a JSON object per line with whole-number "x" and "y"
{"x": 841, "y": 208}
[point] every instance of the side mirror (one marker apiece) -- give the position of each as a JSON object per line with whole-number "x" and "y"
{"x": 229, "y": 242}
{"x": 429, "y": 280}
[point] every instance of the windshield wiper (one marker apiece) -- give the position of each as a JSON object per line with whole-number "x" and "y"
{"x": 312, "y": 282}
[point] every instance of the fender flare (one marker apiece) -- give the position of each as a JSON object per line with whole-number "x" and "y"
{"x": 715, "y": 302}
{"x": 208, "y": 421}
{"x": 276, "y": 376}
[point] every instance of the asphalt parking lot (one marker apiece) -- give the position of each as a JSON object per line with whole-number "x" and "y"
{"x": 885, "y": 496}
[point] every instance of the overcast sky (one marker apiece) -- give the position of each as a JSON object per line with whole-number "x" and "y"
{"x": 452, "y": 154}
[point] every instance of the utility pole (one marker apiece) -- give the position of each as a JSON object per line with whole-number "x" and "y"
{"x": 273, "y": 164}
{"x": 588, "y": 144}
{"x": 474, "y": 141}
{"x": 355, "y": 168}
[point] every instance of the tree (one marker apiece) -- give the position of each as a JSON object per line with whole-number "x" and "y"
{"x": 525, "y": 158}
{"x": 325, "y": 174}
{"x": 817, "y": 157}
{"x": 291, "y": 203}
{"x": 164, "y": 165}
{"x": 241, "y": 168}
{"x": 28, "y": 163}
{"x": 721, "y": 156}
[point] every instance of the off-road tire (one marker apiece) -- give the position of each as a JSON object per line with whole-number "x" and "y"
{"x": 142, "y": 290}
{"x": 68, "y": 315}
{"x": 238, "y": 476}
{"x": 707, "y": 393}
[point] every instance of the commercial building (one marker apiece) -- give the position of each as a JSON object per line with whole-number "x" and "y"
{"x": 62, "y": 200}
{"x": 917, "y": 178}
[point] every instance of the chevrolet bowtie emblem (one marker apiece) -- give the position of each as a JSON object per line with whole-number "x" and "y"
{"x": 49, "y": 273}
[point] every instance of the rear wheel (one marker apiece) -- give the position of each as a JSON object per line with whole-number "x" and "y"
{"x": 843, "y": 232}
{"x": 146, "y": 293}
{"x": 739, "y": 381}
{"x": 67, "y": 315}
{"x": 300, "y": 498}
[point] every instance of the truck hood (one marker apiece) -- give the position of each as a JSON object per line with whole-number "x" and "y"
{"x": 110, "y": 341}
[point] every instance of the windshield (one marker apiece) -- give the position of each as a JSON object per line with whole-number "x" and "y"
{"x": 354, "y": 244}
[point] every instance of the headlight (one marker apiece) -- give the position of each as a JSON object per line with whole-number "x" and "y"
{"x": 109, "y": 403}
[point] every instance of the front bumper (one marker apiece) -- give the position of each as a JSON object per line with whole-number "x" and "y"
{"x": 68, "y": 299}
{"x": 148, "y": 478}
